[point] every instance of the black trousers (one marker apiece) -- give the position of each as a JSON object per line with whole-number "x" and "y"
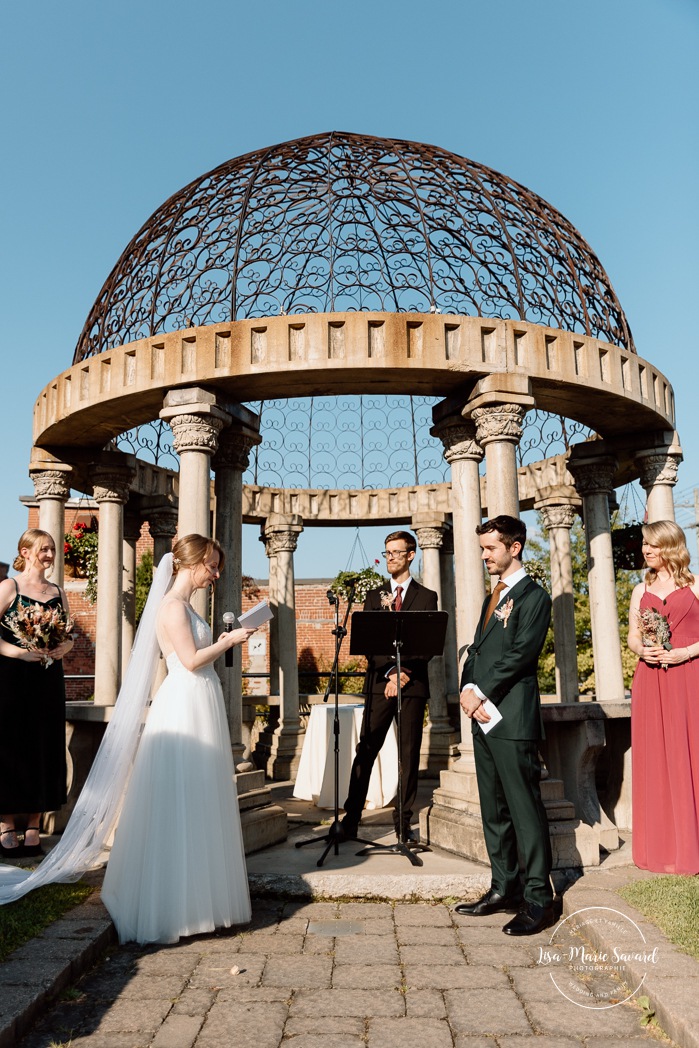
{"x": 378, "y": 714}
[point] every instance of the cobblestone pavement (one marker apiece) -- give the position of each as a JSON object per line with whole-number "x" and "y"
{"x": 337, "y": 975}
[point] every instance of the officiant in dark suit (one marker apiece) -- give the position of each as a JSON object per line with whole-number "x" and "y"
{"x": 402, "y": 593}
{"x": 502, "y": 667}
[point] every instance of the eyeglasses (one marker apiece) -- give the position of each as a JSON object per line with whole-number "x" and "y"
{"x": 395, "y": 553}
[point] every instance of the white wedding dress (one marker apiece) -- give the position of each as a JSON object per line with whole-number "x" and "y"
{"x": 177, "y": 865}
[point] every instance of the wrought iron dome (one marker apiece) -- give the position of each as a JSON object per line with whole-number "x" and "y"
{"x": 338, "y": 222}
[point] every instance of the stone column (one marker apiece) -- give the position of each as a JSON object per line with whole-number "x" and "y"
{"x": 132, "y": 532}
{"x": 558, "y": 519}
{"x": 162, "y": 524}
{"x": 52, "y": 491}
{"x": 284, "y": 746}
{"x": 464, "y": 454}
{"x": 195, "y": 421}
{"x": 498, "y": 431}
{"x": 594, "y": 480}
{"x": 112, "y": 477}
{"x": 274, "y": 621}
{"x": 446, "y": 567}
{"x": 438, "y": 740}
{"x": 658, "y": 468}
{"x": 230, "y": 462}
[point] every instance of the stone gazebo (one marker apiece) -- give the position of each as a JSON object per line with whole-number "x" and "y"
{"x": 346, "y": 266}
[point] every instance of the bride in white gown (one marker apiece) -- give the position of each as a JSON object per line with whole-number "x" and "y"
{"x": 177, "y": 865}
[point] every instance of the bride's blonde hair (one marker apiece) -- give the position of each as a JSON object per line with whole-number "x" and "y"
{"x": 191, "y": 550}
{"x": 28, "y": 541}
{"x": 671, "y": 541}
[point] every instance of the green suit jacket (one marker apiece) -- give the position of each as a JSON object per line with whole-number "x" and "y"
{"x": 503, "y": 659}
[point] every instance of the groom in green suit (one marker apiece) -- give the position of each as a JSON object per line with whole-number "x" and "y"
{"x": 500, "y": 694}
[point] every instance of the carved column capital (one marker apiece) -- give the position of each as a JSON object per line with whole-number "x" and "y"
{"x": 499, "y": 422}
{"x": 593, "y": 476}
{"x": 561, "y": 516}
{"x": 112, "y": 483}
{"x": 458, "y": 435}
{"x": 195, "y": 432}
{"x": 234, "y": 450}
{"x": 280, "y": 534}
{"x": 51, "y": 484}
{"x": 658, "y": 466}
{"x": 162, "y": 523}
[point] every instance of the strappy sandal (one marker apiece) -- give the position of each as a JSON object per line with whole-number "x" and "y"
{"x": 12, "y": 852}
{"x": 31, "y": 850}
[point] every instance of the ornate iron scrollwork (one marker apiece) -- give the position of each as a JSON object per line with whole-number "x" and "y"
{"x": 343, "y": 222}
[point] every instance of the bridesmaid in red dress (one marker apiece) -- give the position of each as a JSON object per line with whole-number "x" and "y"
{"x": 665, "y": 707}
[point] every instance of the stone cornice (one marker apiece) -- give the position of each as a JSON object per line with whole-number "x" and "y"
{"x": 610, "y": 389}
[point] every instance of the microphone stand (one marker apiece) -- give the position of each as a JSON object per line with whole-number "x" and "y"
{"x": 335, "y": 835}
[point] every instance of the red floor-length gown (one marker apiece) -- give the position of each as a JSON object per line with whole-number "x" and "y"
{"x": 665, "y": 747}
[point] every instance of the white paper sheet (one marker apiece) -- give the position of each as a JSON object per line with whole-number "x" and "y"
{"x": 257, "y": 616}
{"x": 494, "y": 713}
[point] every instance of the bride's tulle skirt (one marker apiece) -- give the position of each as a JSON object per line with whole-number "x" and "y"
{"x": 177, "y": 865}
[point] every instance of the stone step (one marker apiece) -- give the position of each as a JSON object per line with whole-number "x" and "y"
{"x": 255, "y": 799}
{"x": 249, "y": 780}
{"x": 263, "y": 827}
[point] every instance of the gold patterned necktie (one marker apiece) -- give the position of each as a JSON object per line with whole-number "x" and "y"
{"x": 493, "y": 602}
{"x": 398, "y": 602}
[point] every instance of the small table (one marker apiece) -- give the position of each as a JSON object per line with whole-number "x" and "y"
{"x": 316, "y": 774}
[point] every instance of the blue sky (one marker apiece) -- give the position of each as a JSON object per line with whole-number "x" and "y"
{"x": 109, "y": 108}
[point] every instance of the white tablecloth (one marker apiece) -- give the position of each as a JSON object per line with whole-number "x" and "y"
{"x": 316, "y": 774}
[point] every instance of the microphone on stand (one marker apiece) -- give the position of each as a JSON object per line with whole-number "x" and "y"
{"x": 228, "y": 620}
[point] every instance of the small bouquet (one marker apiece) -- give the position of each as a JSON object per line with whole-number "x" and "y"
{"x": 40, "y": 629}
{"x": 504, "y": 611}
{"x": 655, "y": 630}
{"x": 387, "y": 601}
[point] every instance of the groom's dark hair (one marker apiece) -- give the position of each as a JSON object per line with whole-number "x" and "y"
{"x": 510, "y": 529}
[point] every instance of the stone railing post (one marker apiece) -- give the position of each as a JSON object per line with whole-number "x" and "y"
{"x": 112, "y": 476}
{"x": 52, "y": 490}
{"x": 195, "y": 421}
{"x": 658, "y": 468}
{"x": 594, "y": 481}
{"x": 281, "y": 536}
{"x": 558, "y": 518}
{"x": 230, "y": 462}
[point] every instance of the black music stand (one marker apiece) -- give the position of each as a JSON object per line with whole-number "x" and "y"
{"x": 423, "y": 634}
{"x": 335, "y": 835}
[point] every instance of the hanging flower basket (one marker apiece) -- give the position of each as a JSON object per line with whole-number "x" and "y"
{"x": 366, "y": 579}
{"x": 626, "y": 547}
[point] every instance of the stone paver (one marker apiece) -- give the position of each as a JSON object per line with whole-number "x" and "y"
{"x": 403, "y": 975}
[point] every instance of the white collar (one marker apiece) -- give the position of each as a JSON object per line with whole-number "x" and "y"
{"x": 404, "y": 584}
{"x": 514, "y": 578}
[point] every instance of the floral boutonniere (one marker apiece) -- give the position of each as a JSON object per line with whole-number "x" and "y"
{"x": 387, "y": 601}
{"x": 503, "y": 613}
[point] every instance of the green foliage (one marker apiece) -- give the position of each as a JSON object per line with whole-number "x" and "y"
{"x": 144, "y": 579}
{"x": 22, "y": 920}
{"x": 80, "y": 553}
{"x": 673, "y": 904}
{"x": 538, "y": 563}
{"x": 348, "y": 685}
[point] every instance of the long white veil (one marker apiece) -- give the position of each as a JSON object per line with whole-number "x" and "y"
{"x": 98, "y": 805}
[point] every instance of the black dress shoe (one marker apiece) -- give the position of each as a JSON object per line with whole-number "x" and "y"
{"x": 530, "y": 919}
{"x": 348, "y": 830}
{"x": 491, "y": 902}
{"x": 409, "y": 837}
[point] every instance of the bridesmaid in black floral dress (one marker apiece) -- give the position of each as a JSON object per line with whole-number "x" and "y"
{"x": 32, "y": 704}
